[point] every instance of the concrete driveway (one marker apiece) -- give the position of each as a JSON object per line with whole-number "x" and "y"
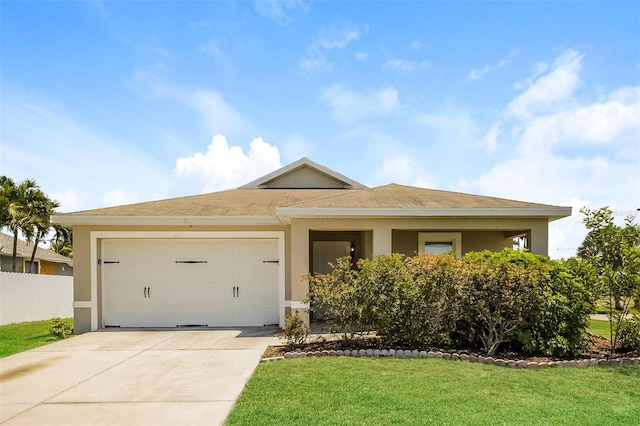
{"x": 131, "y": 377}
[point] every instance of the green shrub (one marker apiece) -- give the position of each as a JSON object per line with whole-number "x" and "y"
{"x": 59, "y": 328}
{"x": 386, "y": 285}
{"x": 435, "y": 306}
{"x": 629, "y": 334}
{"x": 482, "y": 300}
{"x": 565, "y": 298}
{"x": 337, "y": 298}
{"x": 497, "y": 295}
{"x": 296, "y": 331}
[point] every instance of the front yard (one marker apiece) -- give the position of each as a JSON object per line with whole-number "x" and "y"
{"x": 23, "y": 336}
{"x": 418, "y": 391}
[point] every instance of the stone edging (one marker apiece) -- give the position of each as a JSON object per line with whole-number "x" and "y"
{"x": 593, "y": 362}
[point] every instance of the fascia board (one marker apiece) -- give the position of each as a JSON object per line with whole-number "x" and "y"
{"x": 550, "y": 212}
{"x": 164, "y": 220}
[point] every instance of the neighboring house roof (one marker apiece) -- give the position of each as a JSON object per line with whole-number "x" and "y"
{"x": 25, "y": 249}
{"x": 272, "y": 200}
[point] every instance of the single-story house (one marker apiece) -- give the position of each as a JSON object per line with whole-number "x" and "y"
{"x": 47, "y": 261}
{"x": 237, "y": 257}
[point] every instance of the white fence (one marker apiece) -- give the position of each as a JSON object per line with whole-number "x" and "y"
{"x": 33, "y": 297}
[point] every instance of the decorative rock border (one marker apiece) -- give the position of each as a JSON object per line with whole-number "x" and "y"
{"x": 509, "y": 363}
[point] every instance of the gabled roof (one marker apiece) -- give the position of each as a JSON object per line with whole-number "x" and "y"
{"x": 293, "y": 191}
{"x": 304, "y": 174}
{"x": 25, "y": 249}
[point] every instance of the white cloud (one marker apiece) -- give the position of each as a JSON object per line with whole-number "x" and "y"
{"x": 348, "y": 105}
{"x": 295, "y": 147}
{"x": 416, "y": 45}
{"x": 491, "y": 138}
{"x": 399, "y": 169}
{"x": 216, "y": 114}
{"x": 549, "y": 89}
{"x": 119, "y": 196}
{"x": 223, "y": 166}
{"x": 337, "y": 37}
{"x": 405, "y": 170}
{"x": 315, "y": 65}
{"x": 361, "y": 56}
{"x": 450, "y": 126}
{"x": 69, "y": 200}
{"x": 595, "y": 124}
{"x": 74, "y": 162}
{"x": 211, "y": 48}
{"x": 328, "y": 39}
{"x": 568, "y": 152}
{"x": 404, "y": 65}
{"x": 477, "y": 74}
{"x": 279, "y": 11}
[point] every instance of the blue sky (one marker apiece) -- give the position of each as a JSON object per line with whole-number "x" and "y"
{"x": 105, "y": 103}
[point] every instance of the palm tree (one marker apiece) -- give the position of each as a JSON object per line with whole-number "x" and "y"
{"x": 62, "y": 241}
{"x": 38, "y": 221}
{"x": 25, "y": 208}
{"x": 18, "y": 212}
{"x": 7, "y": 193}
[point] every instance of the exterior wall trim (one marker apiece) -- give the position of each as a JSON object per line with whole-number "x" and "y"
{"x": 79, "y": 220}
{"x": 552, "y": 213}
{"x": 295, "y": 304}
{"x": 94, "y": 236}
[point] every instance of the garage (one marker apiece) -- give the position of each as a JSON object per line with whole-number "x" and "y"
{"x": 211, "y": 282}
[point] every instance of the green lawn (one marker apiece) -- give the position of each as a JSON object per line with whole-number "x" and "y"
{"x": 20, "y": 337}
{"x": 599, "y": 327}
{"x": 419, "y": 391}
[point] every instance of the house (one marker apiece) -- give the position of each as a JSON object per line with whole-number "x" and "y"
{"x": 237, "y": 257}
{"x": 47, "y": 261}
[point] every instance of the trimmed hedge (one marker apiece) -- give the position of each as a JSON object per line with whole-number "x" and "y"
{"x": 482, "y": 300}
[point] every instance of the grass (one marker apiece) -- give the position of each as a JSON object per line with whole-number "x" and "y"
{"x": 23, "y": 336}
{"x": 363, "y": 391}
{"x": 602, "y": 307}
{"x": 599, "y": 327}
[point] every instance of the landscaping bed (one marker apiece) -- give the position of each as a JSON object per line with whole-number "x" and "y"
{"x": 598, "y": 353}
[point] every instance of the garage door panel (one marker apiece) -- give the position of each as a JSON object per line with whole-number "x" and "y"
{"x": 217, "y": 282}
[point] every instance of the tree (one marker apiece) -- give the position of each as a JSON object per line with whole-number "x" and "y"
{"x": 62, "y": 241}
{"x": 25, "y": 208}
{"x": 38, "y": 221}
{"x": 614, "y": 252}
{"x": 7, "y": 194}
{"x": 18, "y": 199}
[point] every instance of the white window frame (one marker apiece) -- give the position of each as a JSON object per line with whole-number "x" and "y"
{"x": 441, "y": 237}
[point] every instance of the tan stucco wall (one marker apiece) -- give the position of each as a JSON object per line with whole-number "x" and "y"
{"x": 82, "y": 262}
{"x": 81, "y": 320}
{"x": 485, "y": 240}
{"x": 406, "y": 241}
{"x": 401, "y": 235}
{"x": 380, "y": 236}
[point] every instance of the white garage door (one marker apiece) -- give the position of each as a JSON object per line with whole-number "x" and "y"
{"x": 168, "y": 283}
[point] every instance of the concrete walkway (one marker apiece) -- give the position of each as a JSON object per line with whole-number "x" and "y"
{"x": 131, "y": 377}
{"x": 604, "y": 317}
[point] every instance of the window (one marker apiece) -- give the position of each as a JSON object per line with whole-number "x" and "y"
{"x": 440, "y": 242}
